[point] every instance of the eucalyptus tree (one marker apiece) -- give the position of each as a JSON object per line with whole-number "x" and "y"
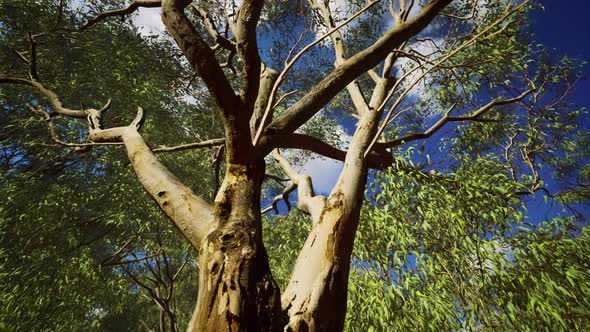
{"x": 395, "y": 66}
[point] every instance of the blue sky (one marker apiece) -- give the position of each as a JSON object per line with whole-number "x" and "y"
{"x": 565, "y": 26}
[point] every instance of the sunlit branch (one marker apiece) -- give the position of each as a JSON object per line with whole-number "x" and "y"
{"x": 190, "y": 146}
{"x": 55, "y": 136}
{"x": 283, "y": 74}
{"x": 401, "y": 15}
{"x": 313, "y": 101}
{"x": 353, "y": 88}
{"x": 309, "y": 202}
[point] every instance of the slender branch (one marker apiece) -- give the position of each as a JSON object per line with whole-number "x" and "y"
{"x": 120, "y": 250}
{"x": 467, "y": 17}
{"x": 446, "y": 118}
{"x": 56, "y": 104}
{"x": 353, "y": 88}
{"x": 354, "y": 66}
{"x": 33, "y": 58}
{"x": 130, "y": 261}
{"x": 444, "y": 58}
{"x": 190, "y": 146}
{"x": 283, "y": 74}
{"x": 81, "y": 147}
{"x": 133, "y": 6}
{"x": 211, "y": 27}
{"x": 284, "y": 196}
{"x": 275, "y": 178}
{"x": 283, "y": 97}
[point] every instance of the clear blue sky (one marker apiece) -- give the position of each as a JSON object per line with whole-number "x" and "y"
{"x": 565, "y": 26}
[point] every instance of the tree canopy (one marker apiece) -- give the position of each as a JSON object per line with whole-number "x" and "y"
{"x": 450, "y": 123}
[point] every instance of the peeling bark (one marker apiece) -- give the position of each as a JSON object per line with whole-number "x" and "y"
{"x": 236, "y": 289}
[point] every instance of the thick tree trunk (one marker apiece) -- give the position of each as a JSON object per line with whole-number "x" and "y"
{"x": 236, "y": 289}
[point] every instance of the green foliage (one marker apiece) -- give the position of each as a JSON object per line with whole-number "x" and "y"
{"x": 443, "y": 253}
{"x": 64, "y": 214}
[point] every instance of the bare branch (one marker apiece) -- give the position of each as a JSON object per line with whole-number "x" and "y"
{"x": 133, "y": 6}
{"x": 268, "y": 77}
{"x": 53, "y": 98}
{"x": 247, "y": 48}
{"x": 356, "y": 65}
{"x": 309, "y": 202}
{"x": 379, "y": 159}
{"x": 282, "y": 197}
{"x": 82, "y": 147}
{"x": 472, "y": 41}
{"x": 446, "y": 118}
{"x": 201, "y": 57}
{"x": 190, "y": 146}
{"x": 211, "y": 27}
{"x": 283, "y": 74}
{"x": 337, "y": 39}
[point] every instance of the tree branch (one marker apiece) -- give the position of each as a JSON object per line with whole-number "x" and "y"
{"x": 267, "y": 81}
{"x": 190, "y": 146}
{"x": 290, "y": 64}
{"x": 282, "y": 197}
{"x": 353, "y": 88}
{"x": 380, "y": 159}
{"x": 201, "y": 57}
{"x": 247, "y": 48}
{"x": 133, "y": 6}
{"x": 309, "y": 202}
{"x": 446, "y": 119}
{"x": 209, "y": 24}
{"x": 333, "y": 83}
{"x": 56, "y": 104}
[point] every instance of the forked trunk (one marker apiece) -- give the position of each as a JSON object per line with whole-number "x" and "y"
{"x": 236, "y": 289}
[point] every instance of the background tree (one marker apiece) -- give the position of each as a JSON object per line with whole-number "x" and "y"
{"x": 430, "y": 66}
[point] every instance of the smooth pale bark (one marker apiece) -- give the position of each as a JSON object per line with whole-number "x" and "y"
{"x": 315, "y": 298}
{"x": 189, "y": 213}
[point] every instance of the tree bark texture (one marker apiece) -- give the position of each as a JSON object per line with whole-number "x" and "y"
{"x": 236, "y": 289}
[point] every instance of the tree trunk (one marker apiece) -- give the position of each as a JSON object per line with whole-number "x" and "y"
{"x": 236, "y": 289}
